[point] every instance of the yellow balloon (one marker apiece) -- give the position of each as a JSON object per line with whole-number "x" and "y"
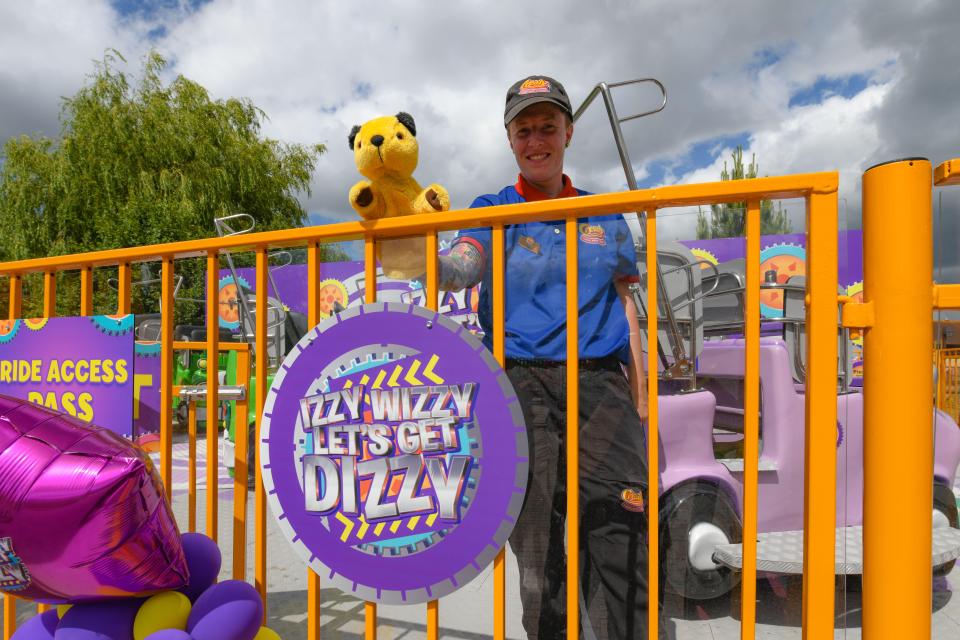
{"x": 266, "y": 633}
{"x": 167, "y": 610}
{"x": 62, "y": 610}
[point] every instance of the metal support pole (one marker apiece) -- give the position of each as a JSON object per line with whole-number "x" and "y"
{"x": 898, "y": 387}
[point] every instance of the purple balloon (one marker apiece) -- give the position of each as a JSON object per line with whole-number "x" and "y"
{"x": 111, "y": 620}
{"x": 169, "y": 634}
{"x": 39, "y": 627}
{"x": 83, "y": 516}
{"x": 231, "y": 609}
{"x": 203, "y": 562}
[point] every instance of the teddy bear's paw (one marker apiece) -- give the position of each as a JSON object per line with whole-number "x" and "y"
{"x": 365, "y": 197}
{"x": 434, "y": 198}
{"x": 366, "y": 201}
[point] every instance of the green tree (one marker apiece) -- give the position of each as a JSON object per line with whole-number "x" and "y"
{"x": 142, "y": 163}
{"x": 727, "y": 220}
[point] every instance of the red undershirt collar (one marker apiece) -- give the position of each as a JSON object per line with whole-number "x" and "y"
{"x": 531, "y": 194}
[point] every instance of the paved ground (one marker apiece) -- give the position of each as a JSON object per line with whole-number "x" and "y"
{"x": 467, "y": 614}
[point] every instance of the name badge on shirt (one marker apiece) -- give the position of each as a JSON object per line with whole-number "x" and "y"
{"x": 529, "y": 244}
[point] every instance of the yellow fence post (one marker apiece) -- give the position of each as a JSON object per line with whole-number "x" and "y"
{"x": 499, "y": 350}
{"x": 241, "y": 469}
{"x": 260, "y": 496}
{"x": 50, "y": 294}
{"x": 898, "y": 415}
{"x": 166, "y": 374}
{"x": 432, "y": 291}
{"x": 573, "y": 433}
{"x": 653, "y": 430}
{"x": 191, "y": 465}
{"x": 212, "y": 397}
{"x": 370, "y": 296}
{"x": 751, "y": 423}
{"x": 86, "y": 291}
{"x": 820, "y": 419}
{"x": 313, "y": 319}
{"x": 124, "y": 301}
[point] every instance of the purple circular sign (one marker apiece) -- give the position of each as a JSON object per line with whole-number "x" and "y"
{"x": 394, "y": 453}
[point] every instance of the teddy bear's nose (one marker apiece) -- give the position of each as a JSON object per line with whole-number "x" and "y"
{"x": 377, "y": 140}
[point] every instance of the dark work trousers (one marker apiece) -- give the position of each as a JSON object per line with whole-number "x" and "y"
{"x": 613, "y": 537}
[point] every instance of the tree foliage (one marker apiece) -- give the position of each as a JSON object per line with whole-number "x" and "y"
{"x": 144, "y": 162}
{"x": 727, "y": 220}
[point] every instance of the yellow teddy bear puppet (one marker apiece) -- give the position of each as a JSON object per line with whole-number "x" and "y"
{"x": 386, "y": 152}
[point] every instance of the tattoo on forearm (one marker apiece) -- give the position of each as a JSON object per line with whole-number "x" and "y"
{"x": 461, "y": 268}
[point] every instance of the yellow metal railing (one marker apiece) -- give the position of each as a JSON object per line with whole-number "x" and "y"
{"x": 948, "y": 382}
{"x": 820, "y": 192}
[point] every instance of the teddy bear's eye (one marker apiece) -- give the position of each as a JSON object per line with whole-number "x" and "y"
{"x": 359, "y": 144}
{"x": 399, "y": 136}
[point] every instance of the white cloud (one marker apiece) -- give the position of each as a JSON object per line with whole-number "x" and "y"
{"x": 48, "y": 49}
{"x": 839, "y": 134}
{"x": 318, "y": 68}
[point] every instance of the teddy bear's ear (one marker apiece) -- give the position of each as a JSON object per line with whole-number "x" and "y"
{"x": 353, "y": 135}
{"x": 407, "y": 120}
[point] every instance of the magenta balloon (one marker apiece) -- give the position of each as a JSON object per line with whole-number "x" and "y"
{"x": 169, "y": 634}
{"x": 112, "y": 620}
{"x": 40, "y": 627}
{"x": 203, "y": 562}
{"x": 83, "y": 516}
{"x": 230, "y": 609}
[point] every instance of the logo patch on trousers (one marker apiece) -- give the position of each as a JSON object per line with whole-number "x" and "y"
{"x": 632, "y": 500}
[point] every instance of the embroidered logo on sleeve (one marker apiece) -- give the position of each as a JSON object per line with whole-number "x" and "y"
{"x": 529, "y": 244}
{"x": 592, "y": 234}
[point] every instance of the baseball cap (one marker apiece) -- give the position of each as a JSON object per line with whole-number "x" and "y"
{"x": 534, "y": 89}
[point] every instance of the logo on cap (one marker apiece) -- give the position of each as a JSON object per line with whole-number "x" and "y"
{"x": 534, "y": 85}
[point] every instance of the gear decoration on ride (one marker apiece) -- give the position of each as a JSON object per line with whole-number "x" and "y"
{"x": 113, "y": 325}
{"x": 787, "y": 261}
{"x": 35, "y": 324}
{"x": 394, "y": 453}
{"x": 8, "y": 330}
{"x": 228, "y": 301}
{"x": 331, "y": 293}
{"x": 147, "y": 348}
{"x": 704, "y": 257}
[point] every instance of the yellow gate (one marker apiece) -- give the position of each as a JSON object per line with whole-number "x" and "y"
{"x": 896, "y": 603}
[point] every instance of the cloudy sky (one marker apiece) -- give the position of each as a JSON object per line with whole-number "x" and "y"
{"x": 820, "y": 85}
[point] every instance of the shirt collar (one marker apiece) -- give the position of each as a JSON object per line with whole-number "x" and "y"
{"x": 531, "y": 194}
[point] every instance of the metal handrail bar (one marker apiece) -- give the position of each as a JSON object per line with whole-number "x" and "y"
{"x": 781, "y": 187}
{"x": 603, "y": 88}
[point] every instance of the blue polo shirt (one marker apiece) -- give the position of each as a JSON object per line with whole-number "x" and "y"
{"x": 535, "y": 295}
